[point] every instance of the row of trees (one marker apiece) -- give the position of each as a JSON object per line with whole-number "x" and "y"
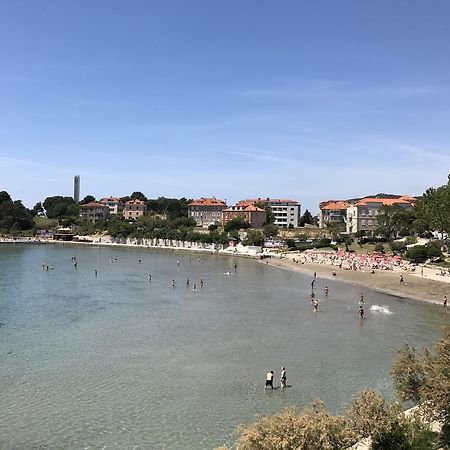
{"x": 421, "y": 378}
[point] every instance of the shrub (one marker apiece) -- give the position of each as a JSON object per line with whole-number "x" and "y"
{"x": 379, "y": 247}
{"x": 397, "y": 246}
{"x": 434, "y": 249}
{"x": 417, "y": 254}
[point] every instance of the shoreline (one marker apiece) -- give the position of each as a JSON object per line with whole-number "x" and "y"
{"x": 387, "y": 282}
{"x": 416, "y": 287}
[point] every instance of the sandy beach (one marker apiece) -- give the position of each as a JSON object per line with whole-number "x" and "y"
{"x": 416, "y": 286}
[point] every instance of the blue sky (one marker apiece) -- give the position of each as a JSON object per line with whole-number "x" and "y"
{"x": 233, "y": 99}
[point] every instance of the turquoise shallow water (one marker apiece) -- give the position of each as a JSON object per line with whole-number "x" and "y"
{"x": 117, "y": 362}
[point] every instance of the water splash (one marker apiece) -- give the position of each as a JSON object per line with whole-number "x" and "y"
{"x": 383, "y": 309}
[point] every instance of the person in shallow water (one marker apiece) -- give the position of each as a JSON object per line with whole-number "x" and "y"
{"x": 361, "y": 312}
{"x": 283, "y": 377}
{"x": 269, "y": 380}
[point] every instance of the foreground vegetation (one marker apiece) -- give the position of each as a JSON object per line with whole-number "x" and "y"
{"x": 421, "y": 378}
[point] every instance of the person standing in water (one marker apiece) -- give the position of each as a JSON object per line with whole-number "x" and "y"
{"x": 269, "y": 380}
{"x": 316, "y": 305}
{"x": 187, "y": 282}
{"x": 361, "y": 312}
{"x": 173, "y": 283}
{"x": 325, "y": 291}
{"x": 96, "y": 273}
{"x": 445, "y": 302}
{"x": 201, "y": 282}
{"x": 283, "y": 378}
{"x": 361, "y": 298}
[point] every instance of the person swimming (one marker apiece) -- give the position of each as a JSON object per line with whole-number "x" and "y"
{"x": 173, "y": 283}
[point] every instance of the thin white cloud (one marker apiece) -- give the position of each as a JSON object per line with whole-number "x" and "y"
{"x": 332, "y": 89}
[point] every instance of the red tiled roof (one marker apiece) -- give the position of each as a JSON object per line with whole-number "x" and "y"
{"x": 409, "y": 198}
{"x": 334, "y": 204}
{"x": 384, "y": 201}
{"x": 93, "y": 205}
{"x": 207, "y": 202}
{"x": 110, "y": 199}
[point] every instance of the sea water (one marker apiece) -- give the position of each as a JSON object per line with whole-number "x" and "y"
{"x": 117, "y": 361}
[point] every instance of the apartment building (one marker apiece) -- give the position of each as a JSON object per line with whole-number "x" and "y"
{"x": 362, "y": 214}
{"x": 286, "y": 212}
{"x": 206, "y": 211}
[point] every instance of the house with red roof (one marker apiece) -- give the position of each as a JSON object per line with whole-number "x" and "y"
{"x": 206, "y": 211}
{"x": 254, "y": 215}
{"x": 94, "y": 212}
{"x": 133, "y": 209}
{"x": 332, "y": 212}
{"x": 114, "y": 204}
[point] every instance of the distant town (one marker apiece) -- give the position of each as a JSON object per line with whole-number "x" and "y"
{"x": 379, "y": 219}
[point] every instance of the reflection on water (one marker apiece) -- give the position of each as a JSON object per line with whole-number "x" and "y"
{"x": 116, "y": 361}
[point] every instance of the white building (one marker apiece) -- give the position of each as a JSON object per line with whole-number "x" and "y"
{"x": 286, "y": 212}
{"x": 114, "y": 204}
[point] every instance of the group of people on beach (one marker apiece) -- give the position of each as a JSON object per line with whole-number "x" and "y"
{"x": 270, "y": 376}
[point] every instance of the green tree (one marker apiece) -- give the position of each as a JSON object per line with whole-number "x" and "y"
{"x": 87, "y": 199}
{"x": 238, "y": 223}
{"x": 137, "y": 195}
{"x": 270, "y": 230}
{"x": 254, "y": 237}
{"x": 306, "y": 218}
{"x": 38, "y": 209}
{"x": 118, "y": 227}
{"x": 14, "y": 216}
{"x": 395, "y": 220}
{"x": 433, "y": 210}
{"x": 56, "y": 207}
